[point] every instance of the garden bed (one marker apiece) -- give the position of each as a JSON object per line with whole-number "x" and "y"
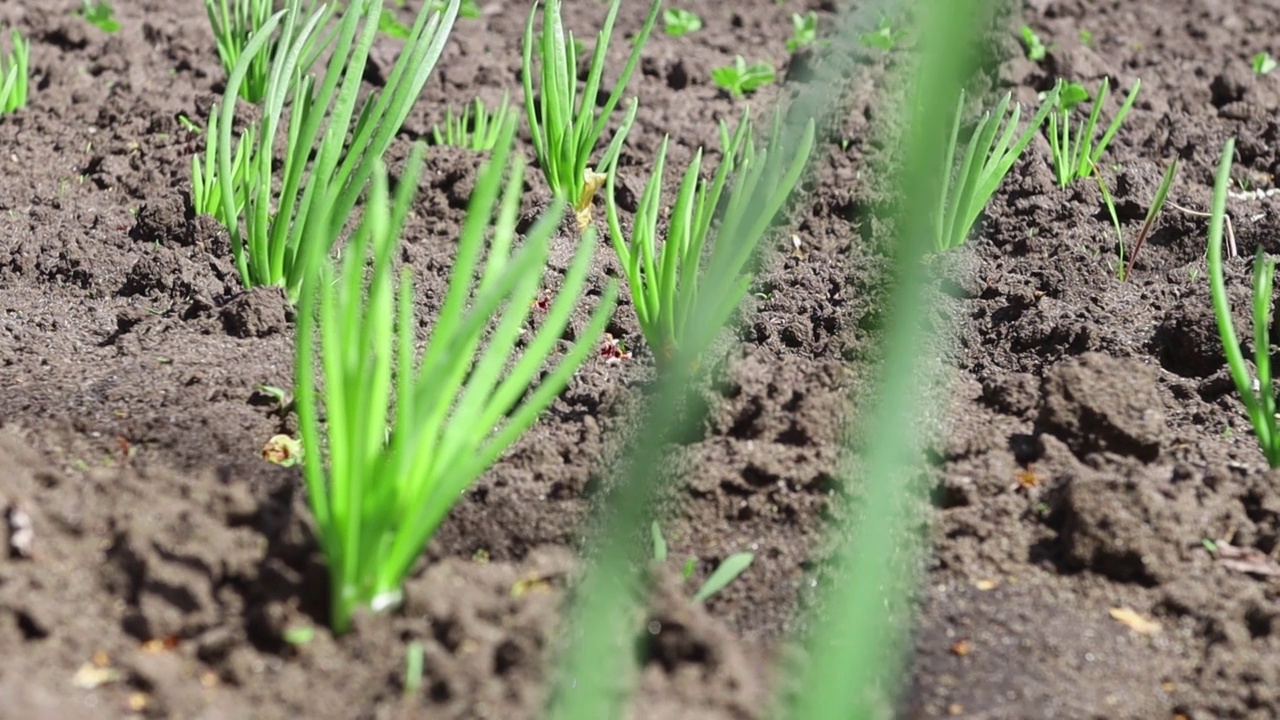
{"x": 1095, "y": 449}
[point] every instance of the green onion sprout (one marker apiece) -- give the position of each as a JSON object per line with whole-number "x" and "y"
{"x": 475, "y": 128}
{"x": 1078, "y": 157}
{"x": 378, "y": 496}
{"x": 326, "y": 157}
{"x": 233, "y": 22}
{"x": 565, "y": 125}
{"x": 14, "y": 74}
{"x": 985, "y": 165}
{"x": 665, "y": 282}
{"x": 1258, "y": 397}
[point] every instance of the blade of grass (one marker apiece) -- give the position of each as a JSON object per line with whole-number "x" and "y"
{"x": 1153, "y": 212}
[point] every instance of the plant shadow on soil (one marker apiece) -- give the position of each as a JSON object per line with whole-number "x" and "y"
{"x": 1092, "y": 442}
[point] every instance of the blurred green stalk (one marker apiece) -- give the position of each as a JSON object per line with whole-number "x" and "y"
{"x": 855, "y": 651}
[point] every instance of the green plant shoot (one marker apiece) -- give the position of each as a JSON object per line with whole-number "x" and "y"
{"x": 804, "y": 31}
{"x": 725, "y": 573}
{"x": 664, "y": 282}
{"x": 475, "y": 128}
{"x": 677, "y": 22}
{"x": 378, "y": 496}
{"x": 233, "y": 22}
{"x": 884, "y": 37}
{"x": 1259, "y": 398}
{"x": 565, "y": 126}
{"x": 1110, "y": 204}
{"x": 1263, "y": 63}
{"x": 1034, "y": 46}
{"x": 100, "y": 15}
{"x": 1153, "y": 212}
{"x": 320, "y": 163}
{"x": 1077, "y": 157}
{"x": 206, "y": 187}
{"x": 740, "y": 78}
{"x": 985, "y": 165}
{"x": 15, "y": 75}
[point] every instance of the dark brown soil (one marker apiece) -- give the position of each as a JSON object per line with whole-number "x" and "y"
{"x": 1094, "y": 443}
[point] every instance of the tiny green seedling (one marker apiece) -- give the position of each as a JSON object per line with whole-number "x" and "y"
{"x": 1086, "y": 38}
{"x": 804, "y": 30}
{"x": 1257, "y": 395}
{"x": 1115, "y": 222}
{"x": 14, "y": 75}
{"x": 475, "y": 128}
{"x": 884, "y": 37}
{"x": 1153, "y": 213}
{"x": 565, "y": 125}
{"x": 468, "y": 9}
{"x": 986, "y": 162}
{"x": 390, "y": 25}
{"x": 1036, "y": 50}
{"x": 188, "y": 125}
{"x": 1263, "y": 63}
{"x": 677, "y": 22}
{"x": 100, "y": 15}
{"x": 724, "y": 574}
{"x": 299, "y": 634}
{"x": 1077, "y": 157}
{"x": 414, "y": 663}
{"x": 740, "y": 78}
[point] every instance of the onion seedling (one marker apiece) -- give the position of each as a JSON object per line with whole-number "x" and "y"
{"x": 378, "y": 496}
{"x": 1258, "y": 396}
{"x": 1078, "y": 157}
{"x": 565, "y": 126}
{"x": 233, "y": 22}
{"x": 206, "y": 187}
{"x": 326, "y": 157}
{"x": 985, "y": 165}
{"x": 475, "y": 128}
{"x": 665, "y": 282}
{"x": 14, "y": 69}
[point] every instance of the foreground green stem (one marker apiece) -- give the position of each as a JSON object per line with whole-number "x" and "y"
{"x": 1259, "y": 400}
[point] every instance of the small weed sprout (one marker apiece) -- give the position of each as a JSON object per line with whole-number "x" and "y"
{"x": 884, "y": 37}
{"x": 1034, "y": 46}
{"x": 1077, "y": 157}
{"x": 100, "y": 15}
{"x": 985, "y": 165}
{"x": 566, "y": 126}
{"x": 804, "y": 30}
{"x": 677, "y": 22}
{"x": 1263, "y": 63}
{"x": 740, "y": 78}
{"x": 475, "y": 128}
{"x": 330, "y": 148}
{"x": 468, "y": 9}
{"x": 233, "y": 22}
{"x": 1258, "y": 396}
{"x": 724, "y": 574}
